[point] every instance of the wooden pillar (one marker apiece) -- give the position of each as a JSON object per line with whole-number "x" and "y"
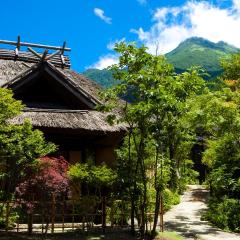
{"x": 161, "y": 214}
{"x": 30, "y": 219}
{"x": 53, "y": 212}
{"x": 63, "y": 213}
{"x": 104, "y": 214}
{"x": 7, "y": 215}
{"x": 73, "y": 214}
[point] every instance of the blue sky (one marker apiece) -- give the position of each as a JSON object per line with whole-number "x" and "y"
{"x": 91, "y": 27}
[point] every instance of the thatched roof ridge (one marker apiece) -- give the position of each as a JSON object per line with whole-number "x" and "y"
{"x": 11, "y": 71}
{"x": 81, "y": 120}
{"x": 81, "y": 83}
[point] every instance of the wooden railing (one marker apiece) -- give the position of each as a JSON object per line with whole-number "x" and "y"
{"x": 60, "y": 215}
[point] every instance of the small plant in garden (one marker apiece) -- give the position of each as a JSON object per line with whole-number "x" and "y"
{"x": 47, "y": 179}
{"x": 96, "y": 178}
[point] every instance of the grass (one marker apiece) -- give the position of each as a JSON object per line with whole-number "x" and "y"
{"x": 169, "y": 236}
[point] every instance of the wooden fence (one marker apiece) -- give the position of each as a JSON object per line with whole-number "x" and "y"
{"x": 63, "y": 215}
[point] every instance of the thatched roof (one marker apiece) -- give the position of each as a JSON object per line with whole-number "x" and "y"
{"x": 66, "y": 119}
{"x": 30, "y": 57}
{"x": 13, "y": 71}
{"x": 10, "y": 69}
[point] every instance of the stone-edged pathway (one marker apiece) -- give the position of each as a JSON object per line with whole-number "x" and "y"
{"x": 185, "y": 218}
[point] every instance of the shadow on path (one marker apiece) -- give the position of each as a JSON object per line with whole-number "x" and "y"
{"x": 185, "y": 218}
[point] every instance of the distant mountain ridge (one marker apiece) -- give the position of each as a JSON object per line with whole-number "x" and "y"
{"x": 194, "y": 51}
{"x": 102, "y": 77}
{"x": 200, "y": 52}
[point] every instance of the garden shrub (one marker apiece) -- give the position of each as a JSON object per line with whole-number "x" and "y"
{"x": 225, "y": 214}
{"x": 169, "y": 199}
{"x": 13, "y": 216}
{"x": 49, "y": 178}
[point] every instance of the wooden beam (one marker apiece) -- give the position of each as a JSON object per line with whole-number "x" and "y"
{"x": 34, "y": 52}
{"x": 16, "y": 53}
{"x": 17, "y": 48}
{"x": 44, "y": 55}
{"x": 63, "y": 47}
{"x": 53, "y": 54}
{"x": 62, "y": 60}
{"x": 18, "y": 43}
{"x": 34, "y": 45}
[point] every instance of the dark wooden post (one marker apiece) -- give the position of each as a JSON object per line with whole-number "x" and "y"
{"x": 73, "y": 214}
{"x": 30, "y": 219}
{"x": 104, "y": 214}
{"x": 63, "y": 213}
{"x": 161, "y": 214}
{"x": 53, "y": 212}
{"x": 7, "y": 215}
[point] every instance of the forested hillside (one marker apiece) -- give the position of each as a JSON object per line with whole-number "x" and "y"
{"x": 200, "y": 52}
{"x": 192, "y": 52}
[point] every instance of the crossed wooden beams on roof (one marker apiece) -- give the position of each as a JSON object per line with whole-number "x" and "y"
{"x": 40, "y": 56}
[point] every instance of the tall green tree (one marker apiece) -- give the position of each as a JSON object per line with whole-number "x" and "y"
{"x": 158, "y": 98}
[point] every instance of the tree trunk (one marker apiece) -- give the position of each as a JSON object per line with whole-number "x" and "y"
{"x": 173, "y": 181}
{"x": 143, "y": 207}
{"x": 132, "y": 215}
{"x": 156, "y": 213}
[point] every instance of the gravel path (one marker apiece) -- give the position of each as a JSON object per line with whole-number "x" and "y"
{"x": 184, "y": 218}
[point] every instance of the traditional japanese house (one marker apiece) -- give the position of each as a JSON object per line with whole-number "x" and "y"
{"x": 59, "y": 101}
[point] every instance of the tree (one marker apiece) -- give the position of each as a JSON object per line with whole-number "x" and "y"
{"x": 50, "y": 178}
{"x": 217, "y": 115}
{"x": 20, "y": 145}
{"x": 158, "y": 98}
{"x": 46, "y": 183}
{"x": 97, "y": 178}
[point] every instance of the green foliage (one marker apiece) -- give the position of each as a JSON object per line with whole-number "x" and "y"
{"x": 215, "y": 116}
{"x": 79, "y": 172}
{"x": 231, "y": 68}
{"x": 118, "y": 212}
{"x": 20, "y": 145}
{"x": 13, "y": 216}
{"x": 95, "y": 176}
{"x": 151, "y": 155}
{"x": 103, "y": 175}
{"x": 225, "y": 214}
{"x": 169, "y": 199}
{"x": 8, "y": 106}
{"x": 168, "y": 236}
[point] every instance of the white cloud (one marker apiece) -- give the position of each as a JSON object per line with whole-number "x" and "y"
{"x": 142, "y": 2}
{"x": 236, "y": 5}
{"x": 105, "y": 61}
{"x": 196, "y": 18}
{"x": 100, "y": 13}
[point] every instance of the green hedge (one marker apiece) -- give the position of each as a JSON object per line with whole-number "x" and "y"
{"x": 225, "y": 213}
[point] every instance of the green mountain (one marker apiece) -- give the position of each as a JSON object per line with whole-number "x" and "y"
{"x": 102, "y": 77}
{"x": 200, "y": 52}
{"x": 192, "y": 52}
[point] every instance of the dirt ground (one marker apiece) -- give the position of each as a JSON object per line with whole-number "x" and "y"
{"x": 70, "y": 236}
